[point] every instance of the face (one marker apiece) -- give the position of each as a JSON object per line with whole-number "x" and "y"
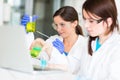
{"x": 94, "y": 24}
{"x": 64, "y": 28}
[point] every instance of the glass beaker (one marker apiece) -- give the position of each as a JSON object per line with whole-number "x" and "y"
{"x": 31, "y": 26}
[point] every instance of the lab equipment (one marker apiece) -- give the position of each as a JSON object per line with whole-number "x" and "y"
{"x": 43, "y": 63}
{"x": 29, "y": 22}
{"x": 42, "y": 34}
{"x": 59, "y": 45}
{"x": 35, "y": 51}
{"x": 30, "y": 27}
{"x": 15, "y": 36}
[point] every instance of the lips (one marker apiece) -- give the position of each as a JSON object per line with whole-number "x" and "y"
{"x": 90, "y": 31}
{"x": 60, "y": 33}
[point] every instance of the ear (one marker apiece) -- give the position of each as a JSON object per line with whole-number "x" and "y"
{"x": 109, "y": 21}
{"x": 75, "y": 23}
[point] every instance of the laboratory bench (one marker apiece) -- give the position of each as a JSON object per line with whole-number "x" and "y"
{"x": 7, "y": 74}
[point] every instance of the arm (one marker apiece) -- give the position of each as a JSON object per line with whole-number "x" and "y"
{"x": 39, "y": 42}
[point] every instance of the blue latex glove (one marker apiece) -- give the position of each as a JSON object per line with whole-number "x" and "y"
{"x": 58, "y": 45}
{"x": 26, "y": 19}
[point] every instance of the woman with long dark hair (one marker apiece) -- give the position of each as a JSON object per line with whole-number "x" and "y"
{"x": 64, "y": 50}
{"x": 102, "y": 62}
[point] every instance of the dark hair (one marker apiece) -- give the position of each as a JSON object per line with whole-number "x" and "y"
{"x": 68, "y": 13}
{"x": 103, "y": 9}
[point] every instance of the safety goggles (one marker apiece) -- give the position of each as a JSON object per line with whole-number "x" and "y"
{"x": 92, "y": 21}
{"x": 61, "y": 25}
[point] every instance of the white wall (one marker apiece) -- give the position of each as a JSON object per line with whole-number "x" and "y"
{"x": 77, "y": 4}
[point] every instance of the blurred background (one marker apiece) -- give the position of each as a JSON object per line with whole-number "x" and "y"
{"x": 11, "y": 12}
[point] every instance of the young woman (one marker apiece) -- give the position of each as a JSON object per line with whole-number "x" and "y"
{"x": 63, "y": 50}
{"x": 103, "y": 59}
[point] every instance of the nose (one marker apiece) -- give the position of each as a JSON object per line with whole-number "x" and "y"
{"x": 58, "y": 28}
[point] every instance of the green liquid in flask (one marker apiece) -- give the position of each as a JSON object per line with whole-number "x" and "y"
{"x": 35, "y": 51}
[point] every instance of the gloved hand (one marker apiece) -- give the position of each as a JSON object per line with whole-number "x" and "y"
{"x": 58, "y": 45}
{"x": 26, "y": 19}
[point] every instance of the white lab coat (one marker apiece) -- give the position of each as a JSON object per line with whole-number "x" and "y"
{"x": 104, "y": 64}
{"x": 72, "y": 61}
{"x": 29, "y": 39}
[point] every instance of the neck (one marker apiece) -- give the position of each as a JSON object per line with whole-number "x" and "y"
{"x": 103, "y": 38}
{"x": 69, "y": 42}
{"x": 70, "y": 39}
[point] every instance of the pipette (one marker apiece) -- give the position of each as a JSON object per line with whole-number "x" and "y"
{"x": 42, "y": 34}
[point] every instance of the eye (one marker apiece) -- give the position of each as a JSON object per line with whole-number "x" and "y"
{"x": 88, "y": 20}
{"x": 91, "y": 21}
{"x": 62, "y": 24}
{"x": 56, "y": 25}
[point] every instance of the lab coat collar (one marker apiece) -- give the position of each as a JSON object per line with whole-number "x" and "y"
{"x": 110, "y": 40}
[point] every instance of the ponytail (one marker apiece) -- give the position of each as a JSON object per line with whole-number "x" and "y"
{"x": 79, "y": 30}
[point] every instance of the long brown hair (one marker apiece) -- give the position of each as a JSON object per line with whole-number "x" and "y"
{"x": 68, "y": 13}
{"x": 103, "y": 9}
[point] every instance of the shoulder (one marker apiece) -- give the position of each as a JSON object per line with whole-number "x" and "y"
{"x": 114, "y": 40}
{"x": 81, "y": 43}
{"x": 82, "y": 39}
{"x": 52, "y": 38}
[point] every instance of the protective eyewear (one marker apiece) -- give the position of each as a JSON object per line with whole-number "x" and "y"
{"x": 62, "y": 25}
{"x": 93, "y": 21}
